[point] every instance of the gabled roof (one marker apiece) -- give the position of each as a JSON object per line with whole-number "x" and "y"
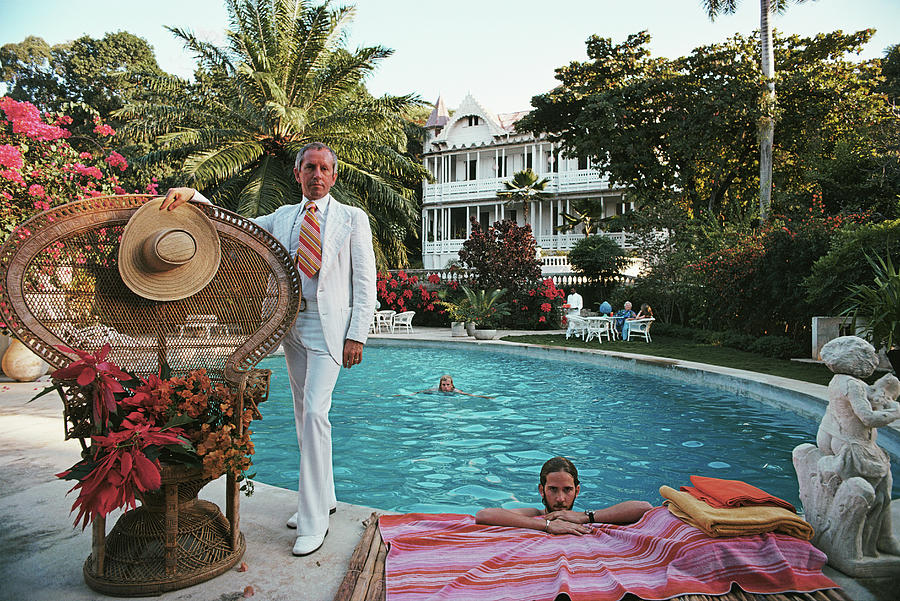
{"x": 470, "y": 106}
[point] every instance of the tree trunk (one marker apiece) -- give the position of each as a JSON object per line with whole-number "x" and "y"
{"x": 767, "y": 121}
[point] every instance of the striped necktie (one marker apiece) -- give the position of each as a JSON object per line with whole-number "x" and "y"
{"x": 309, "y": 250}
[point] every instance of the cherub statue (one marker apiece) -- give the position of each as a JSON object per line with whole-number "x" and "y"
{"x": 845, "y": 481}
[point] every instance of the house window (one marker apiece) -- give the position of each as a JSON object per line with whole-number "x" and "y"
{"x": 502, "y": 164}
{"x": 583, "y": 163}
{"x": 512, "y": 216}
{"x": 484, "y": 221}
{"x": 471, "y": 169}
{"x": 624, "y": 207}
{"x": 473, "y": 120}
{"x": 458, "y": 223}
{"x": 553, "y": 162}
{"x": 529, "y": 160}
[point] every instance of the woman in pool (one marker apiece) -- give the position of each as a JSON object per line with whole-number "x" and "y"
{"x": 445, "y": 384}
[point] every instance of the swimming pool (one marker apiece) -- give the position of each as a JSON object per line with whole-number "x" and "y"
{"x": 627, "y": 434}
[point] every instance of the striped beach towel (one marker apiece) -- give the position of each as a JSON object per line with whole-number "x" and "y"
{"x": 449, "y": 557}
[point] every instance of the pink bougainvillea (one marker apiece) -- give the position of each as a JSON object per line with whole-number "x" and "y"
{"x": 39, "y": 169}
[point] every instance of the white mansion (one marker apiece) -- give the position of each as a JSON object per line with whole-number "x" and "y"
{"x": 472, "y": 154}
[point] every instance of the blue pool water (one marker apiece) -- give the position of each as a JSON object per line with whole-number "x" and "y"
{"x": 432, "y": 452}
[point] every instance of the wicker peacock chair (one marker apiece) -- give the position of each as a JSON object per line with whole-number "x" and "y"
{"x": 60, "y": 287}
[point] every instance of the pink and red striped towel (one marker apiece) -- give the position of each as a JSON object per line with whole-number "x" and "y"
{"x": 448, "y": 557}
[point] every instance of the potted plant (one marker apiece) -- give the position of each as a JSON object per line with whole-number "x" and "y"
{"x": 460, "y": 313}
{"x": 486, "y": 309}
{"x": 878, "y": 304}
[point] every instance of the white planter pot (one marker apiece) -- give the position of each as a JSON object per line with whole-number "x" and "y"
{"x": 20, "y": 364}
{"x": 485, "y": 334}
{"x": 458, "y": 328}
{"x": 470, "y": 328}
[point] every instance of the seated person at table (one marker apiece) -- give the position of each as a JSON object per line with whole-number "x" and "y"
{"x": 558, "y": 488}
{"x": 605, "y": 308}
{"x": 622, "y": 315}
{"x": 575, "y": 302}
{"x": 645, "y": 313}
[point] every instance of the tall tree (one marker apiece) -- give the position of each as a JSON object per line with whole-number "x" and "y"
{"x": 767, "y": 66}
{"x": 285, "y": 80}
{"x": 100, "y": 74}
{"x": 681, "y": 134}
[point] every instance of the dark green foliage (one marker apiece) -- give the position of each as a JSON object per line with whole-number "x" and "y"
{"x": 598, "y": 257}
{"x": 778, "y": 347}
{"x": 845, "y": 264}
{"x": 890, "y": 70}
{"x": 682, "y": 133}
{"x": 101, "y": 75}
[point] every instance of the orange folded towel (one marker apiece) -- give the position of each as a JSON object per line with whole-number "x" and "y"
{"x": 731, "y": 493}
{"x": 734, "y": 521}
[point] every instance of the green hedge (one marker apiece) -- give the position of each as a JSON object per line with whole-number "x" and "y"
{"x": 778, "y": 347}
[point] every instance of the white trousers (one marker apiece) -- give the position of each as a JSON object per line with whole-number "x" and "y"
{"x": 313, "y": 374}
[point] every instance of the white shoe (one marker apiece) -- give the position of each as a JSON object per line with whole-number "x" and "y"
{"x": 304, "y": 545}
{"x": 292, "y": 521}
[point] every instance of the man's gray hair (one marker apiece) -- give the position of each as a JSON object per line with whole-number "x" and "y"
{"x": 315, "y": 146}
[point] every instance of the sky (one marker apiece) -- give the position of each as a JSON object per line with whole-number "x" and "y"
{"x": 500, "y": 51}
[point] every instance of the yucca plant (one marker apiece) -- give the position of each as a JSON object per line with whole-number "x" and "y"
{"x": 485, "y": 307}
{"x": 878, "y": 304}
{"x": 285, "y": 80}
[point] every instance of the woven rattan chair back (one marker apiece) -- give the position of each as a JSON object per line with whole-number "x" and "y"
{"x": 61, "y": 288}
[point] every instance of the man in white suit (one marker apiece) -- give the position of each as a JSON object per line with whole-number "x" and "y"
{"x": 331, "y": 329}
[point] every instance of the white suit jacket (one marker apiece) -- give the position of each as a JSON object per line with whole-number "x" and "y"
{"x": 346, "y": 291}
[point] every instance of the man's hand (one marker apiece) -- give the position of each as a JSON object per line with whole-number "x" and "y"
{"x": 352, "y": 353}
{"x": 176, "y": 197}
{"x": 574, "y": 517}
{"x": 560, "y": 526}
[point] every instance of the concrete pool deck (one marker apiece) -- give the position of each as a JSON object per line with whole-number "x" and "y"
{"x": 43, "y": 554}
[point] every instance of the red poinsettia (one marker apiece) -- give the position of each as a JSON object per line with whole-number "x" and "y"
{"x": 103, "y": 376}
{"x": 123, "y": 468}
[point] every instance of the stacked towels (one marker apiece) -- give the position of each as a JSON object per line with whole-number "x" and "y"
{"x": 733, "y": 508}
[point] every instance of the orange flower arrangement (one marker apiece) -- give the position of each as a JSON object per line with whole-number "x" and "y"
{"x": 140, "y": 423}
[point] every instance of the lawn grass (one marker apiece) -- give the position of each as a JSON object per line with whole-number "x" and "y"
{"x": 688, "y": 350}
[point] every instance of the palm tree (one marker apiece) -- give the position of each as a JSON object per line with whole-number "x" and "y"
{"x": 767, "y": 64}
{"x": 587, "y": 212}
{"x": 285, "y": 80}
{"x": 525, "y": 186}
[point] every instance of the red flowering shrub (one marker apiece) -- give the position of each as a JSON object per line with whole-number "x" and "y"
{"x": 400, "y": 292}
{"x": 756, "y": 285}
{"x": 40, "y": 169}
{"x": 506, "y": 257}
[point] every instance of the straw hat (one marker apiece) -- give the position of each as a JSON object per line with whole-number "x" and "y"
{"x": 168, "y": 255}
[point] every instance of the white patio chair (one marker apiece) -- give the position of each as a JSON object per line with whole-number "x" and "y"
{"x": 577, "y": 327}
{"x": 404, "y": 320}
{"x": 598, "y": 328}
{"x": 196, "y": 324}
{"x": 640, "y": 327}
{"x": 372, "y": 326}
{"x": 386, "y": 319}
{"x": 93, "y": 337}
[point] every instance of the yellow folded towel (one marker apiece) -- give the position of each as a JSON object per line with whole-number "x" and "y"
{"x": 734, "y": 521}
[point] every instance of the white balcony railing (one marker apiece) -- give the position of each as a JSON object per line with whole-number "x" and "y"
{"x": 566, "y": 181}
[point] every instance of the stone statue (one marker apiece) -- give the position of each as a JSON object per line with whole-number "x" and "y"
{"x": 845, "y": 480}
